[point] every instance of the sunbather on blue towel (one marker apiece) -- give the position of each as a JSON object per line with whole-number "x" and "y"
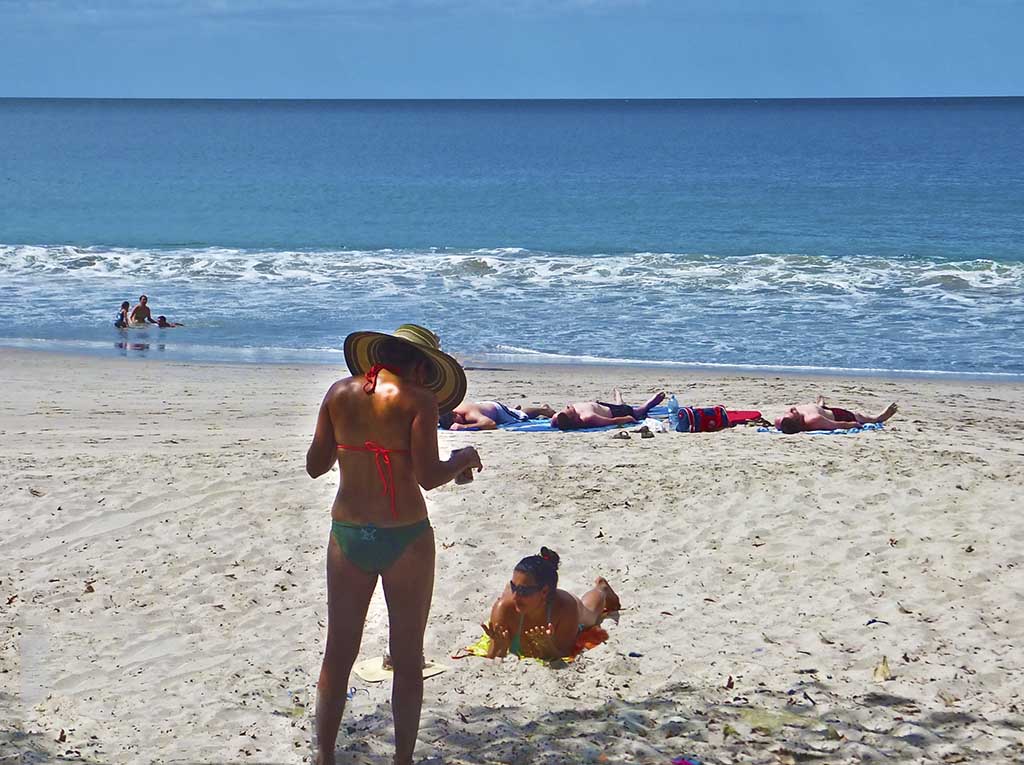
{"x": 596, "y": 414}
{"x": 488, "y": 415}
{"x": 820, "y": 416}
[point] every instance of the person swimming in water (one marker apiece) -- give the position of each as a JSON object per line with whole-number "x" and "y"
{"x": 536, "y": 619}
{"x": 121, "y": 322}
{"x": 380, "y": 427}
{"x": 161, "y": 321}
{"x": 141, "y": 313}
{"x": 820, "y": 416}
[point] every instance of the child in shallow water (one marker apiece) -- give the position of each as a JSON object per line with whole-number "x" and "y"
{"x": 161, "y": 321}
{"x": 121, "y": 322}
{"x": 536, "y": 619}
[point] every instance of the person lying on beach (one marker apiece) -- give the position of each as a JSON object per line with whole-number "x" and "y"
{"x": 121, "y": 322}
{"x": 488, "y": 415}
{"x": 380, "y": 427}
{"x": 820, "y": 416}
{"x": 596, "y": 414}
{"x": 161, "y": 321}
{"x": 534, "y": 618}
{"x": 140, "y": 313}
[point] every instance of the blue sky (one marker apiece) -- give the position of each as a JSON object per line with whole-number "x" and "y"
{"x": 510, "y": 49}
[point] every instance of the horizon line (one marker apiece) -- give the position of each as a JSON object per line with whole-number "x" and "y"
{"x": 618, "y": 99}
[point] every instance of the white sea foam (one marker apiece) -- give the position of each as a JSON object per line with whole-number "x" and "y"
{"x": 783, "y": 272}
{"x": 781, "y": 310}
{"x": 514, "y": 355}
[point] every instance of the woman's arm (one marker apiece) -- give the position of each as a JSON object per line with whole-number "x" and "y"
{"x": 498, "y": 630}
{"x": 431, "y": 470}
{"x": 557, "y": 639}
{"x": 323, "y": 451}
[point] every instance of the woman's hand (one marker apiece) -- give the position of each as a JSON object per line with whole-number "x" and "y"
{"x": 501, "y": 640}
{"x": 470, "y": 457}
{"x": 540, "y": 641}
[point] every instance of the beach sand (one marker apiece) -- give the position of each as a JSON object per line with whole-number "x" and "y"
{"x": 162, "y": 592}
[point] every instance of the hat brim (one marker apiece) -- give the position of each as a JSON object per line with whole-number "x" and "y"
{"x": 447, "y": 381}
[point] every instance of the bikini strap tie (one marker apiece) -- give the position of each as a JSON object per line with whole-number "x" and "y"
{"x": 371, "y": 377}
{"x": 382, "y": 460}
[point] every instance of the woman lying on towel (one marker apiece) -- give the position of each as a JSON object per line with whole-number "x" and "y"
{"x": 534, "y": 618}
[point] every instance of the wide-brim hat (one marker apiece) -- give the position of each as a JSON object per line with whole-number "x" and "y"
{"x": 448, "y": 379}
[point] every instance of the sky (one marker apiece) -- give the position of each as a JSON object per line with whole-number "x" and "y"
{"x": 510, "y": 48}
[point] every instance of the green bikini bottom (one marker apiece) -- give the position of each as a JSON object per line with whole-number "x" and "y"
{"x": 375, "y": 548}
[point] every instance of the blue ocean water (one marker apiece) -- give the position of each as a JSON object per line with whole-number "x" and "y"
{"x": 882, "y": 235}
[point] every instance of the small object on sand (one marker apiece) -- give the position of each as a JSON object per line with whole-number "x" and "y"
{"x": 622, "y": 434}
{"x": 645, "y": 432}
{"x": 882, "y": 672}
{"x": 687, "y": 760}
{"x": 378, "y": 669}
{"x": 634, "y": 655}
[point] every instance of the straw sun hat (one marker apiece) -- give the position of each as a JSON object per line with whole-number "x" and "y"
{"x": 448, "y": 380}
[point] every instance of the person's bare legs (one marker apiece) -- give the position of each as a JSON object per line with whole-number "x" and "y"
{"x": 596, "y": 602}
{"x": 408, "y": 588}
{"x": 349, "y": 590}
{"x": 533, "y": 412}
{"x": 889, "y": 412}
{"x": 640, "y": 412}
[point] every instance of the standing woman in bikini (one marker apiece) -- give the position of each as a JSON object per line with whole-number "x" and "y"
{"x": 381, "y": 427}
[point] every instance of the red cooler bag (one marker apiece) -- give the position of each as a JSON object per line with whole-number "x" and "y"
{"x": 708, "y": 419}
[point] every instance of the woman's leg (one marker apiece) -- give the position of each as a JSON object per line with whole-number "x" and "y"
{"x": 596, "y": 602}
{"x": 349, "y": 590}
{"x": 408, "y": 587}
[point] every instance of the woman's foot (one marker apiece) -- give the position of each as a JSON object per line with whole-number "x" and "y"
{"x": 611, "y": 600}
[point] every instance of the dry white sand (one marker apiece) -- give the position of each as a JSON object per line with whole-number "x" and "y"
{"x": 162, "y": 592}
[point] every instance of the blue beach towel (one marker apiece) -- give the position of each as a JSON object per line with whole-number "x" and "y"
{"x": 544, "y": 425}
{"x": 842, "y": 432}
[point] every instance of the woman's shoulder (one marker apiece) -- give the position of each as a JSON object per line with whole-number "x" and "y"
{"x": 565, "y": 605}
{"x": 504, "y": 609}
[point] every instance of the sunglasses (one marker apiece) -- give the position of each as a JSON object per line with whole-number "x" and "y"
{"x": 525, "y": 590}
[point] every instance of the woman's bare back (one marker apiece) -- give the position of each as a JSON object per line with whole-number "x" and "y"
{"x": 384, "y": 418}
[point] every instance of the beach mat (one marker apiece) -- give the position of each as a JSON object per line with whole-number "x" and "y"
{"x": 867, "y": 426}
{"x": 373, "y": 671}
{"x": 589, "y": 638}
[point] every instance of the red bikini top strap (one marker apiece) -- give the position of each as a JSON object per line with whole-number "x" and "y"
{"x": 371, "y": 377}
{"x": 382, "y": 459}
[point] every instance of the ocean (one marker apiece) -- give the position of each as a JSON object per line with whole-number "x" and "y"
{"x": 852, "y": 236}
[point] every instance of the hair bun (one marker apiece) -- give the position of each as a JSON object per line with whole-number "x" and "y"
{"x": 549, "y": 555}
